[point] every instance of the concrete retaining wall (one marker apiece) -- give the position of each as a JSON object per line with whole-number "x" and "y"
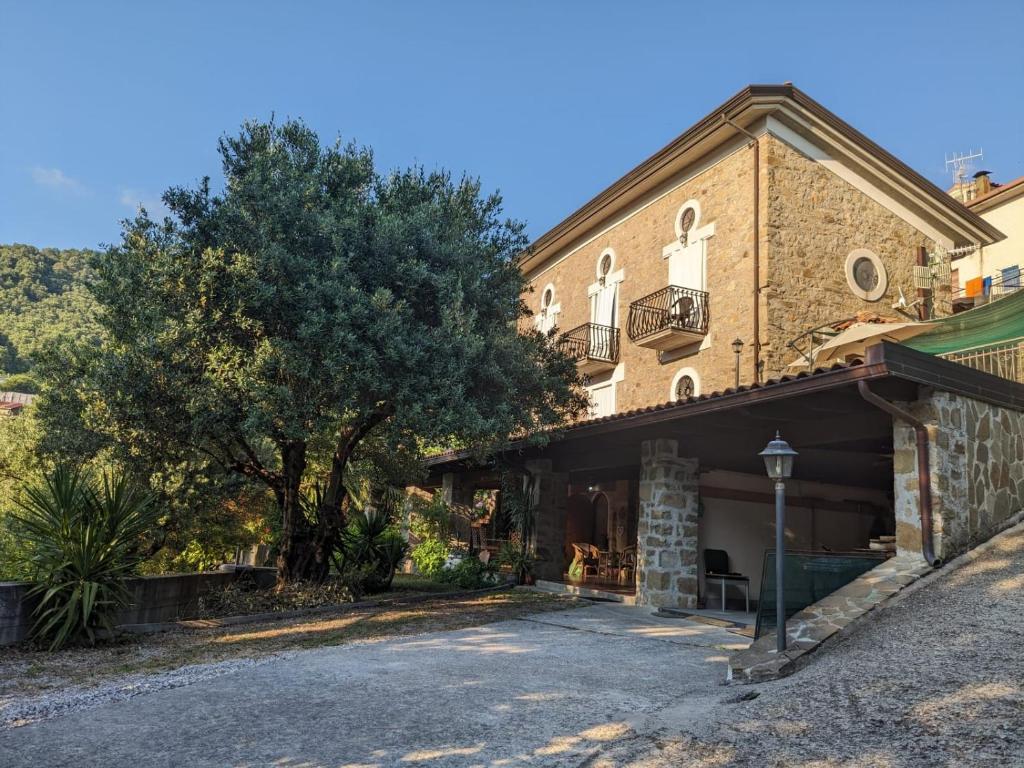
{"x": 153, "y": 599}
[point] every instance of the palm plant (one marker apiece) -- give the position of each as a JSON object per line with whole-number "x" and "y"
{"x": 518, "y": 500}
{"x": 372, "y": 543}
{"x": 84, "y": 537}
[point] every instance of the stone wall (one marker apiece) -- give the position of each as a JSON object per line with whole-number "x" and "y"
{"x": 725, "y": 194}
{"x": 152, "y": 599}
{"x": 977, "y": 467}
{"x": 815, "y": 219}
{"x": 667, "y": 529}
{"x": 811, "y": 220}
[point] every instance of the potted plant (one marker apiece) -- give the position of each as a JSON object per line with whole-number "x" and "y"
{"x": 518, "y": 559}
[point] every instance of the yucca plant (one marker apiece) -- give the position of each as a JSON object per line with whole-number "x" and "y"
{"x": 371, "y": 542}
{"x": 84, "y": 535}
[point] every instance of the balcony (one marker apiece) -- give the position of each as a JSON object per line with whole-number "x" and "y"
{"x": 669, "y": 319}
{"x": 594, "y": 347}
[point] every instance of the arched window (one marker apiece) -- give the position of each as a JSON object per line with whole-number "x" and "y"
{"x": 686, "y": 220}
{"x": 605, "y": 265}
{"x": 685, "y": 384}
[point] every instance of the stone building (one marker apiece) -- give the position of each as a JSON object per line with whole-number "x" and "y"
{"x": 769, "y": 217}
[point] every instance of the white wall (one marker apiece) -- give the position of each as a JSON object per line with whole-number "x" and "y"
{"x": 1008, "y": 218}
{"x": 746, "y": 529}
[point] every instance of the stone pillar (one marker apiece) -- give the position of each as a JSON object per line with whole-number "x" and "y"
{"x": 550, "y": 496}
{"x": 454, "y": 490}
{"x": 944, "y": 416}
{"x": 667, "y": 529}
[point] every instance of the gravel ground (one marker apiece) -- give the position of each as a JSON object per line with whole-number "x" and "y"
{"x": 37, "y": 685}
{"x": 59, "y": 702}
{"x": 936, "y": 679}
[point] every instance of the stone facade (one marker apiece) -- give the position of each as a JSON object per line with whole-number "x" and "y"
{"x": 815, "y": 219}
{"x": 724, "y": 192}
{"x": 667, "y": 530}
{"x": 977, "y": 467}
{"x": 811, "y": 219}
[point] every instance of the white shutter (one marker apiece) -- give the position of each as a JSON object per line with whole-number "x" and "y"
{"x": 602, "y": 401}
{"x": 602, "y": 305}
{"x": 686, "y": 266}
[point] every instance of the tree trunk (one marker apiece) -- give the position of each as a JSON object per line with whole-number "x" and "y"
{"x": 307, "y": 547}
{"x": 295, "y": 529}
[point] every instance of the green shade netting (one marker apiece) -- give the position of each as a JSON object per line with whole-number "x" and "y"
{"x": 994, "y": 323}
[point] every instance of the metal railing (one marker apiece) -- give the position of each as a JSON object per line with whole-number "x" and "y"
{"x": 992, "y": 287}
{"x": 591, "y": 341}
{"x": 1005, "y": 359}
{"x": 675, "y": 308}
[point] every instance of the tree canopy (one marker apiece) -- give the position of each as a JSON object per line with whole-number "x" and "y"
{"x": 43, "y": 297}
{"x": 274, "y": 327}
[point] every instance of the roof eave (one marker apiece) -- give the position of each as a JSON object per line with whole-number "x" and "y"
{"x": 745, "y": 108}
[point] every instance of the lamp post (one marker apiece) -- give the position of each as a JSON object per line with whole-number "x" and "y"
{"x": 778, "y": 460}
{"x": 737, "y": 347}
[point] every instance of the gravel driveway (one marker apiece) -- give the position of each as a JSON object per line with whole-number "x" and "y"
{"x": 553, "y": 689}
{"x": 934, "y": 680}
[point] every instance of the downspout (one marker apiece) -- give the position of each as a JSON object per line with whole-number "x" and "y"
{"x": 756, "y": 146}
{"x": 924, "y": 472}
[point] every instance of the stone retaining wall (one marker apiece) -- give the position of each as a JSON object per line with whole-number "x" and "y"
{"x": 977, "y": 463}
{"x": 153, "y": 599}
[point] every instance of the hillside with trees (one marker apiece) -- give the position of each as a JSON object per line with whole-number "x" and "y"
{"x": 43, "y": 298}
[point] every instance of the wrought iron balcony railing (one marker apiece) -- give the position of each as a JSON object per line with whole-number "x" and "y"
{"x": 672, "y": 309}
{"x": 592, "y": 342}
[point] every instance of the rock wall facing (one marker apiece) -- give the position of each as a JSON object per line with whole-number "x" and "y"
{"x": 667, "y": 529}
{"x": 977, "y": 463}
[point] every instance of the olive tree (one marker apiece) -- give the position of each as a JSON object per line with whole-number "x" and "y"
{"x": 311, "y": 303}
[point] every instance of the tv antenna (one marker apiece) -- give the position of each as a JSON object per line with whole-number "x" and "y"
{"x": 960, "y": 163}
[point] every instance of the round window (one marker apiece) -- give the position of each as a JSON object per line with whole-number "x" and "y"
{"x": 685, "y": 388}
{"x": 606, "y": 264}
{"x": 686, "y": 222}
{"x": 865, "y": 274}
{"x": 546, "y": 300}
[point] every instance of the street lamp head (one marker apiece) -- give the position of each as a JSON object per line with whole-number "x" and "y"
{"x": 778, "y": 458}
{"x": 737, "y": 345}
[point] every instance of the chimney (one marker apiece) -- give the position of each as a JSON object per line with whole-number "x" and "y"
{"x": 982, "y": 183}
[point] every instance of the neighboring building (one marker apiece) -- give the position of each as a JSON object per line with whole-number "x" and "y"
{"x": 653, "y": 279}
{"x": 990, "y": 270}
{"x": 768, "y": 218}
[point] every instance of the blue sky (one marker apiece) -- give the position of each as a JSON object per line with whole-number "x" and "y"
{"x": 106, "y": 104}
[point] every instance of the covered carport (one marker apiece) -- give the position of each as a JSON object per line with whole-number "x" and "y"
{"x": 701, "y": 483}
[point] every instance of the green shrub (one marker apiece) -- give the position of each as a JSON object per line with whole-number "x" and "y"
{"x": 429, "y": 557}
{"x": 372, "y": 550}
{"x": 469, "y": 573}
{"x": 84, "y": 537}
